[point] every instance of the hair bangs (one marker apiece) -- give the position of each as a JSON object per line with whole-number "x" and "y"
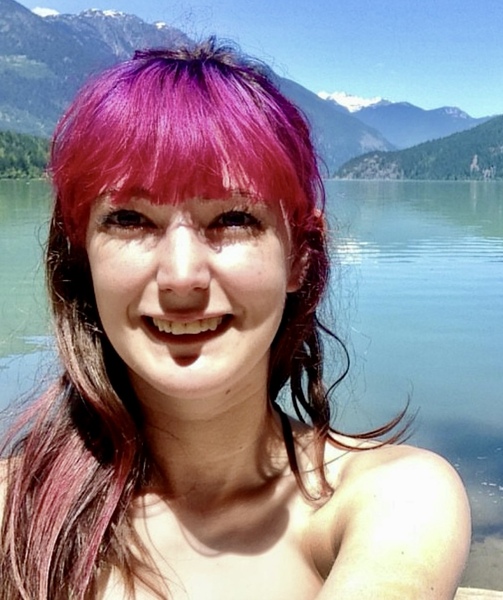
{"x": 176, "y": 133}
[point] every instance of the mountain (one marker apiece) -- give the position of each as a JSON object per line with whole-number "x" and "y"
{"x": 401, "y": 123}
{"x": 406, "y": 125}
{"x": 337, "y": 135}
{"x": 121, "y": 33}
{"x": 44, "y": 60}
{"x": 350, "y": 102}
{"x": 473, "y": 154}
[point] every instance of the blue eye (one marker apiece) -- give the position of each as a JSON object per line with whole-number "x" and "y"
{"x": 126, "y": 219}
{"x": 235, "y": 218}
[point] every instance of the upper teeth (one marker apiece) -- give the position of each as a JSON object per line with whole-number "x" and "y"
{"x": 192, "y": 327}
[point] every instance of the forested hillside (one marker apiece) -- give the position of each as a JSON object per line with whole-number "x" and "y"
{"x": 22, "y": 155}
{"x": 473, "y": 154}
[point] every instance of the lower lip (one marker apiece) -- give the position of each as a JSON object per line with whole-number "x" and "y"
{"x": 188, "y": 338}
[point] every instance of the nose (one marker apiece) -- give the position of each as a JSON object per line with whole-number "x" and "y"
{"x": 183, "y": 261}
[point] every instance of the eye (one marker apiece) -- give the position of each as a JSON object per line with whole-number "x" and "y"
{"x": 235, "y": 218}
{"x": 125, "y": 219}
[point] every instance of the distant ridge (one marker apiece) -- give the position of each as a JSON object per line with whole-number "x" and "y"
{"x": 350, "y": 102}
{"x": 402, "y": 123}
{"x": 406, "y": 125}
{"x": 337, "y": 134}
{"x": 474, "y": 154}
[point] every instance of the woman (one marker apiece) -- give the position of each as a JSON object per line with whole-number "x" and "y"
{"x": 186, "y": 262}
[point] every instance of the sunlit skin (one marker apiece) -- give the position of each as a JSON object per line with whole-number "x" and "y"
{"x": 191, "y": 297}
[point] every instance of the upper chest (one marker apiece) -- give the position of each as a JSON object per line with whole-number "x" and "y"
{"x": 241, "y": 554}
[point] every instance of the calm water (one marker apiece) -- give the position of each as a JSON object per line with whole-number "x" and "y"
{"x": 417, "y": 293}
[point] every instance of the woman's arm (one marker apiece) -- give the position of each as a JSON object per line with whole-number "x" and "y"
{"x": 404, "y": 520}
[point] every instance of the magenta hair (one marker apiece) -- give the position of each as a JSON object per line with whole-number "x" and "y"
{"x": 173, "y": 128}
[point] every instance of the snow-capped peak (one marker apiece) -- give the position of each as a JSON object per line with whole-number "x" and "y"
{"x": 45, "y": 12}
{"x": 113, "y": 13}
{"x": 90, "y": 12}
{"x": 160, "y": 24}
{"x": 352, "y": 103}
{"x": 453, "y": 111}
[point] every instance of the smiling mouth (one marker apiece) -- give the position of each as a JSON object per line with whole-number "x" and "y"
{"x": 188, "y": 328}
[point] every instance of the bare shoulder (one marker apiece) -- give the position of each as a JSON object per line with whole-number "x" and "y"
{"x": 393, "y": 468}
{"x": 399, "y": 523}
{"x": 403, "y": 478}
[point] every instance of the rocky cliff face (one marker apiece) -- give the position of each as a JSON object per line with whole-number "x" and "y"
{"x": 43, "y": 61}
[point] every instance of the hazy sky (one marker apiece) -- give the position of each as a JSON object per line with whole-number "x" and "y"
{"x": 429, "y": 52}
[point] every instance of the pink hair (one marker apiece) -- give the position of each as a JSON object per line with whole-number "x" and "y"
{"x": 161, "y": 126}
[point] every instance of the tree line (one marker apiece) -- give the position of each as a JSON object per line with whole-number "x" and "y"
{"x": 22, "y": 156}
{"x": 474, "y": 154}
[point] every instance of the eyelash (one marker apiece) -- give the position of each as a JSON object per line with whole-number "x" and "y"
{"x": 132, "y": 219}
{"x": 236, "y": 219}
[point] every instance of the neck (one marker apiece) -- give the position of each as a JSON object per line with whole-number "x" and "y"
{"x": 217, "y": 453}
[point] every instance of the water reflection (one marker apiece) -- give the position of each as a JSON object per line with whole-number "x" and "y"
{"x": 23, "y": 226}
{"x": 472, "y": 205}
{"x": 425, "y": 261}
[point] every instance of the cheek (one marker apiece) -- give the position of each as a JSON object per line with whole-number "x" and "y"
{"x": 117, "y": 277}
{"x": 259, "y": 279}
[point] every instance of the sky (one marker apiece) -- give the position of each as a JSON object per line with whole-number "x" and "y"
{"x": 431, "y": 53}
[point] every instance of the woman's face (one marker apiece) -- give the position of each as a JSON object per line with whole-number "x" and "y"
{"x": 190, "y": 296}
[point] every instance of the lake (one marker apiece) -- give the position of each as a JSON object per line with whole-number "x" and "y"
{"x": 416, "y": 293}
